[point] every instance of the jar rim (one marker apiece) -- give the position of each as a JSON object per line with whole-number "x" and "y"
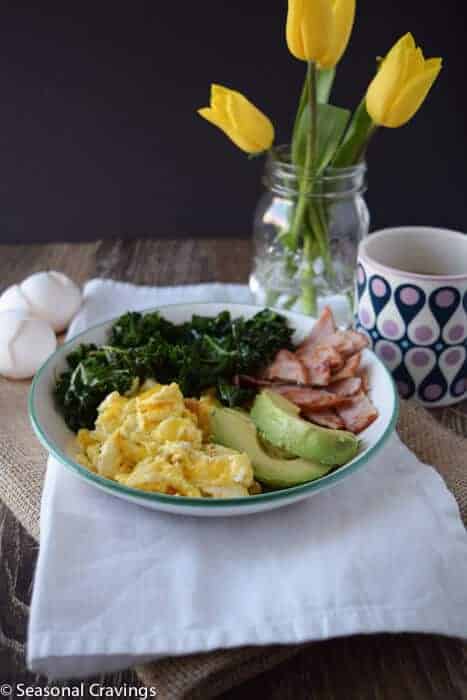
{"x": 285, "y": 178}
{"x": 280, "y": 156}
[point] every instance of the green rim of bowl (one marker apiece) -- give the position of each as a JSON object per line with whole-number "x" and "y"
{"x": 185, "y": 501}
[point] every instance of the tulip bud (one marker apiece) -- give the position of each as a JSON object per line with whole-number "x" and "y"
{"x": 239, "y": 119}
{"x": 401, "y": 84}
{"x": 319, "y": 30}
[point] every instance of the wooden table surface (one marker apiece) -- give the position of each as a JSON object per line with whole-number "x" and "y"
{"x": 389, "y": 667}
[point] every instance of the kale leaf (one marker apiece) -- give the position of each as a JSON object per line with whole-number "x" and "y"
{"x": 205, "y": 352}
{"x": 134, "y": 329}
{"x": 232, "y": 395}
{"x": 80, "y": 390}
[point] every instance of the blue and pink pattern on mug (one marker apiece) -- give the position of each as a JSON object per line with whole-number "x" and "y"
{"x": 411, "y": 301}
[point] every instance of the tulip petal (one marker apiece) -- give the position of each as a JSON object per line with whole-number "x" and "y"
{"x": 415, "y": 64}
{"x": 293, "y": 32}
{"x": 309, "y": 28}
{"x": 239, "y": 119}
{"x": 405, "y": 46}
{"x": 218, "y": 94}
{"x": 401, "y": 85}
{"x": 432, "y": 63}
{"x": 317, "y": 28}
{"x": 218, "y": 100}
{"x": 405, "y": 42}
{"x": 343, "y": 20}
{"x": 213, "y": 117}
{"x": 248, "y": 119}
{"x": 412, "y": 96}
{"x": 386, "y": 84}
{"x": 243, "y": 142}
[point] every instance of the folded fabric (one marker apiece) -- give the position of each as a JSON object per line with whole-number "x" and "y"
{"x": 118, "y": 585}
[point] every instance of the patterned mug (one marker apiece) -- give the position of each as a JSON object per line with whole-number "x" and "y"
{"x": 411, "y": 301}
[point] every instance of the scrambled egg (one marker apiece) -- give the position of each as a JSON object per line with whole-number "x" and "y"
{"x": 159, "y": 441}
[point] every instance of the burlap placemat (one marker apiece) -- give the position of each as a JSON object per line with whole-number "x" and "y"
{"x": 22, "y": 469}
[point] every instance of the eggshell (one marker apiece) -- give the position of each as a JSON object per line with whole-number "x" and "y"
{"x": 25, "y": 343}
{"x": 13, "y": 298}
{"x": 53, "y": 297}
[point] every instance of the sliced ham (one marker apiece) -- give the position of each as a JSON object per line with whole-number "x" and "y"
{"x": 321, "y": 362}
{"x": 350, "y": 368}
{"x": 288, "y": 367}
{"x": 347, "y": 387}
{"x": 248, "y": 380}
{"x": 363, "y": 374}
{"x": 358, "y": 414}
{"x": 326, "y": 418}
{"x": 347, "y": 343}
{"x": 323, "y": 327}
{"x": 313, "y": 399}
{"x": 323, "y": 377}
{"x": 360, "y": 341}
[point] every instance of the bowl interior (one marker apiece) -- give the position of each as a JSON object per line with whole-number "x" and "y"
{"x": 58, "y": 439}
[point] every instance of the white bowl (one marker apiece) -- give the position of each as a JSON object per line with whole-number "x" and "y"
{"x": 57, "y": 438}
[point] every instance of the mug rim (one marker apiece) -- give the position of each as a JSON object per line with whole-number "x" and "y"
{"x": 382, "y": 233}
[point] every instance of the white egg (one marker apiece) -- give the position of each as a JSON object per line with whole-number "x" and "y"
{"x": 51, "y": 296}
{"x": 25, "y": 343}
{"x": 13, "y": 298}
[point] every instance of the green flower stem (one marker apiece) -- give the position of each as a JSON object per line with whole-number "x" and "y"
{"x": 314, "y": 237}
{"x": 351, "y": 301}
{"x": 319, "y": 223}
{"x": 312, "y": 101}
{"x": 290, "y": 302}
{"x": 308, "y": 298}
{"x": 308, "y": 170}
{"x": 316, "y": 223}
{"x": 308, "y": 288}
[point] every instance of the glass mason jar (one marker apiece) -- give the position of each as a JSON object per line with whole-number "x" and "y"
{"x": 306, "y": 234}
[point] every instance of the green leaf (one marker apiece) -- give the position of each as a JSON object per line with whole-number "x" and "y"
{"x": 301, "y": 106}
{"x": 331, "y": 125}
{"x": 324, "y": 83}
{"x": 353, "y": 148}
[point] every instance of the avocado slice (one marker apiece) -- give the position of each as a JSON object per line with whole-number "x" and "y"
{"x": 236, "y": 430}
{"x": 279, "y": 421}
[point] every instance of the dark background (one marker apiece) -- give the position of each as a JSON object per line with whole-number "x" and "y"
{"x": 99, "y": 136}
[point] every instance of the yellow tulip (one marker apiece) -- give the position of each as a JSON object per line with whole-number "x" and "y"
{"x": 239, "y": 119}
{"x": 319, "y": 30}
{"x": 401, "y": 85}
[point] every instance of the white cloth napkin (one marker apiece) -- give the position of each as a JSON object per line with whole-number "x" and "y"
{"x": 117, "y": 584}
